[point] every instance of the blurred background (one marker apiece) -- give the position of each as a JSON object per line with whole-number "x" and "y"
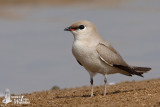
{"x": 35, "y": 52}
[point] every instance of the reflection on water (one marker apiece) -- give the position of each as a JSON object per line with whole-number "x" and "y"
{"x": 36, "y": 52}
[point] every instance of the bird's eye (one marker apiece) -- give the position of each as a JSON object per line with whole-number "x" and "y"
{"x": 81, "y": 27}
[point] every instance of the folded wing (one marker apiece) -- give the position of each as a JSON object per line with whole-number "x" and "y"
{"x": 111, "y": 57}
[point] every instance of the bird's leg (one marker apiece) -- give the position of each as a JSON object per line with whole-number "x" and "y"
{"x": 91, "y": 81}
{"x": 105, "y": 82}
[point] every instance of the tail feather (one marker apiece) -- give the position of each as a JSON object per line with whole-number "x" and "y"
{"x": 129, "y": 69}
{"x": 133, "y": 70}
{"x": 141, "y": 69}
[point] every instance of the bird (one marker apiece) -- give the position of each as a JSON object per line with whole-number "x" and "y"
{"x": 96, "y": 55}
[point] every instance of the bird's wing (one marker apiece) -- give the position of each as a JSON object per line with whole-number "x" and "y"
{"x": 109, "y": 55}
{"x": 79, "y": 63}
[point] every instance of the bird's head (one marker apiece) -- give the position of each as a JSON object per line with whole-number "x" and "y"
{"x": 82, "y": 29}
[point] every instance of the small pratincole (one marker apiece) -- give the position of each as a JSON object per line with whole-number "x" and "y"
{"x": 98, "y": 56}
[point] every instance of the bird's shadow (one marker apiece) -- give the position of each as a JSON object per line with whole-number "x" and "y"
{"x": 123, "y": 91}
{"x": 110, "y": 93}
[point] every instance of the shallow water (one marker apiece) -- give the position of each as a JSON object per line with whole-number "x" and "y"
{"x": 36, "y": 52}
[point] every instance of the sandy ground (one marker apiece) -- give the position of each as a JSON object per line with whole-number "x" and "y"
{"x": 125, "y": 94}
{"x": 6, "y": 14}
{"x": 59, "y": 2}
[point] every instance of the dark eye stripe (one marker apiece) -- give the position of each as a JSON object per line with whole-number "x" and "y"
{"x": 79, "y": 27}
{"x": 75, "y": 28}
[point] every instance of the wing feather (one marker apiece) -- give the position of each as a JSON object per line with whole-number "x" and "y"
{"x": 109, "y": 55}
